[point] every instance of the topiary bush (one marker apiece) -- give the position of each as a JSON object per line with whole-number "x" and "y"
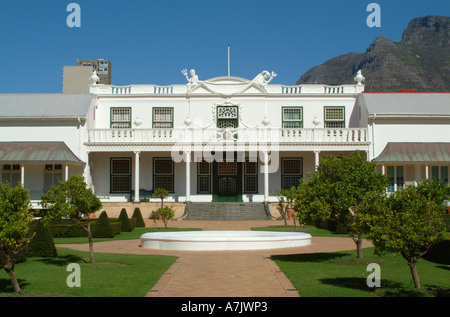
{"x": 42, "y": 244}
{"x": 138, "y": 216}
{"x": 103, "y": 228}
{"x": 123, "y": 218}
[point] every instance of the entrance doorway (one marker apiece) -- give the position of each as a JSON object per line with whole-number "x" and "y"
{"x": 227, "y": 180}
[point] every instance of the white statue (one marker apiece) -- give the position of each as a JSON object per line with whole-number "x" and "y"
{"x": 194, "y": 78}
{"x": 264, "y": 77}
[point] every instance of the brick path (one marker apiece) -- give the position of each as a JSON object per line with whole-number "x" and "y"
{"x": 223, "y": 273}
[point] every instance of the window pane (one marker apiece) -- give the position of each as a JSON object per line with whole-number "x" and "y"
{"x": 204, "y": 184}
{"x": 251, "y": 168}
{"x": 390, "y": 172}
{"x": 334, "y": 125}
{"x": 292, "y": 166}
{"x": 400, "y": 177}
{"x": 251, "y": 184}
{"x": 120, "y": 183}
{"x": 435, "y": 172}
{"x": 120, "y": 166}
{"x": 165, "y": 182}
{"x": 444, "y": 174}
{"x": 121, "y": 115}
{"x": 204, "y": 168}
{"x": 334, "y": 114}
{"x": 292, "y": 114}
{"x": 287, "y": 182}
{"x": 163, "y": 166}
{"x": 227, "y": 168}
{"x": 292, "y": 125}
{"x": 162, "y": 115}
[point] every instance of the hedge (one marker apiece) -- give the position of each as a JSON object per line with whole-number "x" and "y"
{"x": 71, "y": 229}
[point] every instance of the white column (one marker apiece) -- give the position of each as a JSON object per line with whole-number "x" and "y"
{"x": 66, "y": 176}
{"x": 427, "y": 172}
{"x": 136, "y": 176}
{"x": 316, "y": 159}
{"x": 22, "y": 176}
{"x": 266, "y": 176}
{"x": 188, "y": 175}
{"x": 383, "y": 169}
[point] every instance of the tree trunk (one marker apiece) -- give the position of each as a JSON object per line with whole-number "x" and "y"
{"x": 359, "y": 242}
{"x": 9, "y": 268}
{"x": 415, "y": 276}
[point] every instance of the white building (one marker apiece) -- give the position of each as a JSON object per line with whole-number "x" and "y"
{"x": 222, "y": 139}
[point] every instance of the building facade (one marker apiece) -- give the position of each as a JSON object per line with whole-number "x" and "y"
{"x": 221, "y": 139}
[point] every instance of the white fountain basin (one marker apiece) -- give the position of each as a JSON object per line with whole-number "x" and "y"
{"x": 223, "y": 240}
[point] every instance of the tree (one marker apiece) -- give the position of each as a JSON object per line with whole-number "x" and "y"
{"x": 160, "y": 193}
{"x": 73, "y": 199}
{"x": 15, "y": 220}
{"x": 125, "y": 221}
{"x": 166, "y": 214}
{"x": 412, "y": 222}
{"x": 138, "y": 216}
{"x": 340, "y": 189}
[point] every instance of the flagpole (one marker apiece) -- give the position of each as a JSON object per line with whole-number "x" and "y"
{"x": 228, "y": 60}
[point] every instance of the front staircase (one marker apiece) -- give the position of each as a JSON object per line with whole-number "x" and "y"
{"x": 225, "y": 211}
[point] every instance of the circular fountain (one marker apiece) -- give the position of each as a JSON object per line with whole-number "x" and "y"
{"x": 223, "y": 240}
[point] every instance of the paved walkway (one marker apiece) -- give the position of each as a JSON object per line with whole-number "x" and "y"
{"x": 222, "y": 273}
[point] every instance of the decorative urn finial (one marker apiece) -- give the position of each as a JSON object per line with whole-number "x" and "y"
{"x": 359, "y": 78}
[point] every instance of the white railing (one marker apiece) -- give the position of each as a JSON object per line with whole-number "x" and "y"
{"x": 263, "y": 135}
{"x": 182, "y": 89}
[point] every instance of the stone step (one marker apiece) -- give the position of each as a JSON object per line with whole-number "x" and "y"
{"x": 226, "y": 211}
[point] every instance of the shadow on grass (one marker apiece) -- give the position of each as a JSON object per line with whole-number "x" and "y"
{"x": 62, "y": 260}
{"x": 6, "y": 286}
{"x": 310, "y": 257}
{"x": 358, "y": 283}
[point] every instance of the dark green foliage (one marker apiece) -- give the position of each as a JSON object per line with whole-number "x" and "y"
{"x": 42, "y": 244}
{"x": 103, "y": 228}
{"x": 138, "y": 216}
{"x": 123, "y": 218}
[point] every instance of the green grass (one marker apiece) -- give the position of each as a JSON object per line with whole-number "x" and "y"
{"x": 117, "y": 275}
{"x": 312, "y": 230}
{"x": 339, "y": 274}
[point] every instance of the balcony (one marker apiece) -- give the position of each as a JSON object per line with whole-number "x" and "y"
{"x": 226, "y": 137}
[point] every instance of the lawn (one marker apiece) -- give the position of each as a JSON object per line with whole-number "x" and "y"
{"x": 340, "y": 274}
{"x": 118, "y": 275}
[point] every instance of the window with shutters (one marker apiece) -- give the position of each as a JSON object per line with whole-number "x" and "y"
{"x": 292, "y": 117}
{"x": 162, "y": 118}
{"x": 334, "y": 117}
{"x": 11, "y": 173}
{"x": 52, "y": 175}
{"x": 291, "y": 172}
{"x": 120, "y": 118}
{"x": 120, "y": 175}
{"x": 251, "y": 175}
{"x": 204, "y": 177}
{"x": 163, "y": 174}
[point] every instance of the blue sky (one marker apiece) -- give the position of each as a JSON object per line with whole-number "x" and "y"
{"x": 149, "y": 42}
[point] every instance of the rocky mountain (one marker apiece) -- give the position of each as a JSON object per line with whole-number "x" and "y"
{"x": 420, "y": 61}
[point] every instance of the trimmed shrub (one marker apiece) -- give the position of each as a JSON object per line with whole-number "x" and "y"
{"x": 138, "y": 216}
{"x": 42, "y": 244}
{"x": 123, "y": 218}
{"x": 102, "y": 227}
